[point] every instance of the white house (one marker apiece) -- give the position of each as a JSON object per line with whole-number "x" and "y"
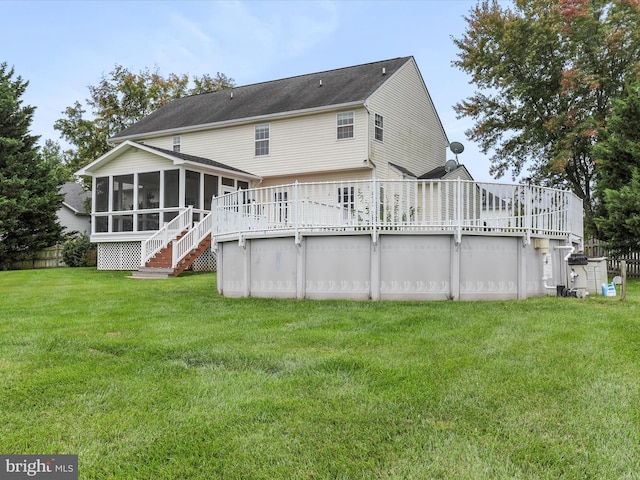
{"x": 73, "y": 214}
{"x": 370, "y": 121}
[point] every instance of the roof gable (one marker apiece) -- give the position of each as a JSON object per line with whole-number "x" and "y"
{"x": 342, "y": 86}
{"x": 175, "y": 157}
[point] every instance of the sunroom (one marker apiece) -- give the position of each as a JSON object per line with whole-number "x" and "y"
{"x": 139, "y": 188}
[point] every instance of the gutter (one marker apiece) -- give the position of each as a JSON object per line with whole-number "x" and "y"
{"x": 234, "y": 122}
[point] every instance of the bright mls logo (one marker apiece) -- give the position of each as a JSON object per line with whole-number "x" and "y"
{"x": 49, "y": 467}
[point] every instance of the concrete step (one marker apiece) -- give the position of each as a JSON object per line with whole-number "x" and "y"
{"x": 153, "y": 273}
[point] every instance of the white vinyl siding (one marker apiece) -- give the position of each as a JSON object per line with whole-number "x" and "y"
{"x": 297, "y": 146}
{"x": 413, "y": 134}
{"x": 135, "y": 160}
{"x": 336, "y": 176}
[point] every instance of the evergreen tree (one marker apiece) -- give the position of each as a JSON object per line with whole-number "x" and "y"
{"x": 29, "y": 197}
{"x": 618, "y": 156}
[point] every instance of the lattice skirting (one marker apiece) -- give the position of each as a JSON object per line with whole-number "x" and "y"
{"x": 119, "y": 255}
{"x": 206, "y": 262}
{"x": 126, "y": 256}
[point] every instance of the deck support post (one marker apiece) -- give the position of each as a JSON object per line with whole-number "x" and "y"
{"x": 455, "y": 268}
{"x": 374, "y": 277}
{"x": 219, "y": 270}
{"x": 247, "y": 267}
{"x": 522, "y": 269}
{"x": 301, "y": 274}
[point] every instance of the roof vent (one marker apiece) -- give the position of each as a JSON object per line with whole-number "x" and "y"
{"x": 231, "y": 94}
{"x": 384, "y": 71}
{"x": 320, "y": 82}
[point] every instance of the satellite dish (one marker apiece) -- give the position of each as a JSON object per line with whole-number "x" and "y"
{"x": 456, "y": 147}
{"x": 450, "y": 165}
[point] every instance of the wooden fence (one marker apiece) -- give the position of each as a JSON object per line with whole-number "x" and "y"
{"x": 48, "y": 258}
{"x": 595, "y": 248}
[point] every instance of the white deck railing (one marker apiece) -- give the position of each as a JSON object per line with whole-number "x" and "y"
{"x": 407, "y": 205}
{"x": 166, "y": 234}
{"x": 191, "y": 239}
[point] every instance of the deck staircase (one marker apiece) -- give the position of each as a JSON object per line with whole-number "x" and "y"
{"x": 175, "y": 247}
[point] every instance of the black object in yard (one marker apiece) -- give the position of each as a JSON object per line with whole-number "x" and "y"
{"x": 578, "y": 259}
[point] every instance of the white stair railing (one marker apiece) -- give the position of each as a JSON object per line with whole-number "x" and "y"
{"x": 191, "y": 239}
{"x": 166, "y": 234}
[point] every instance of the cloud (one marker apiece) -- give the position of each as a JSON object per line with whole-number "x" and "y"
{"x": 248, "y": 37}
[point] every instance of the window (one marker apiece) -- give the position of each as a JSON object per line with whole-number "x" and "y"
{"x": 282, "y": 206}
{"x": 176, "y": 143}
{"x": 379, "y": 127}
{"x": 345, "y": 125}
{"x": 262, "y": 140}
{"x": 347, "y": 199}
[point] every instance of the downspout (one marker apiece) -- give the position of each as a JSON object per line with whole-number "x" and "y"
{"x": 368, "y": 160}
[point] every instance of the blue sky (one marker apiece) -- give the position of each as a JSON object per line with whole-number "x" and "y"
{"x": 63, "y": 47}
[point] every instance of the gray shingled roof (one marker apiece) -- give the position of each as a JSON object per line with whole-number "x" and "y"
{"x": 344, "y": 85}
{"x": 402, "y": 170}
{"x": 75, "y": 197}
{"x": 193, "y": 158}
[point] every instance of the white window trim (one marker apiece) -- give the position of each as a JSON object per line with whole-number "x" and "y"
{"x": 352, "y": 125}
{"x": 267, "y": 139}
{"x": 380, "y": 127}
{"x": 176, "y": 143}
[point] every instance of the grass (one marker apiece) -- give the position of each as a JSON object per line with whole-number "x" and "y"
{"x": 168, "y": 380}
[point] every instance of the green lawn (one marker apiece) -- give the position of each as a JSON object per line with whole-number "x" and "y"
{"x": 167, "y": 380}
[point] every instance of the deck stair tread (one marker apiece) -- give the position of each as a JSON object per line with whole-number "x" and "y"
{"x": 159, "y": 266}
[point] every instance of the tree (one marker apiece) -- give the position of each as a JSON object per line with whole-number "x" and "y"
{"x": 618, "y": 156}
{"x": 118, "y": 101}
{"x": 55, "y": 160}
{"x": 29, "y": 196}
{"x": 546, "y": 72}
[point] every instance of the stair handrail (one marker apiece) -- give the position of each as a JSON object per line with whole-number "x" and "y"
{"x": 166, "y": 234}
{"x": 191, "y": 239}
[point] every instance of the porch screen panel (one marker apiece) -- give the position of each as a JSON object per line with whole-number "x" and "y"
{"x": 122, "y": 223}
{"x": 171, "y": 188}
{"x": 149, "y": 190}
{"x": 192, "y": 189}
{"x": 102, "y": 224}
{"x": 102, "y": 194}
{"x": 210, "y": 190}
{"x": 148, "y": 221}
{"x": 123, "y": 192}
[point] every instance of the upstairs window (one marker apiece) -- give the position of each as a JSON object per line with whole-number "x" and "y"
{"x": 345, "y": 122}
{"x": 176, "y": 143}
{"x": 379, "y": 128}
{"x": 262, "y": 139}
